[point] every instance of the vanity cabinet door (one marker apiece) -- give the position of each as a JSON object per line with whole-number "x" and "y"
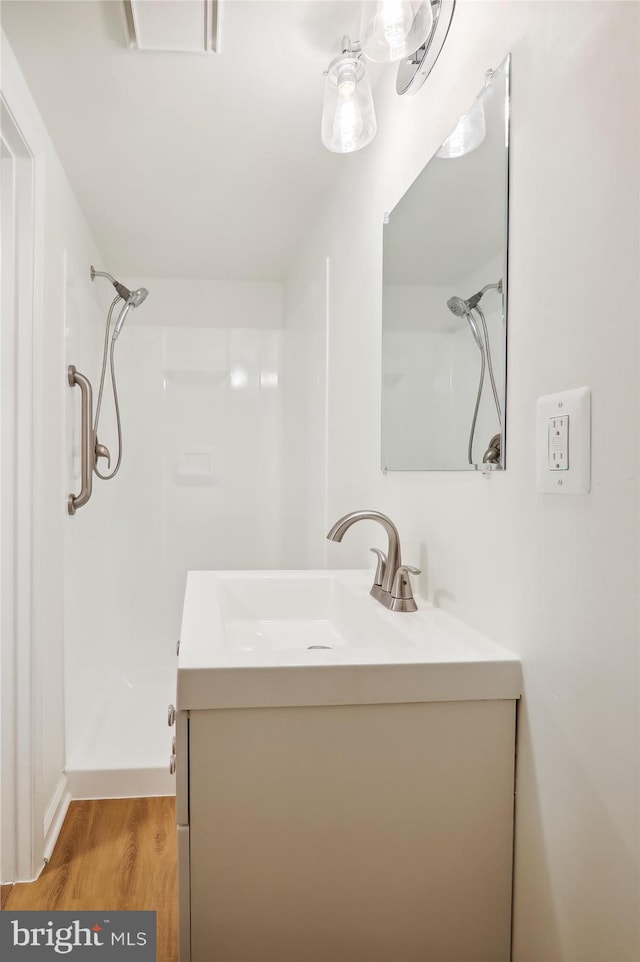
{"x": 369, "y": 833}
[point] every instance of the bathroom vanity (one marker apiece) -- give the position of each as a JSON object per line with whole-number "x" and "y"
{"x": 345, "y": 776}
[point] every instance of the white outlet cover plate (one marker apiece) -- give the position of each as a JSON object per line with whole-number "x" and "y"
{"x": 576, "y": 404}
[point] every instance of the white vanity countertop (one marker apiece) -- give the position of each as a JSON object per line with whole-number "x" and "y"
{"x": 246, "y": 634}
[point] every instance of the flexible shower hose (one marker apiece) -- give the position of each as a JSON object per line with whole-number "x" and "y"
{"x": 475, "y": 410}
{"x": 481, "y": 385}
{"x": 490, "y": 365}
{"x": 109, "y": 349}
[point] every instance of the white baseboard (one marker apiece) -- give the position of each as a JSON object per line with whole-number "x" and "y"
{"x": 54, "y": 815}
{"x": 121, "y": 783}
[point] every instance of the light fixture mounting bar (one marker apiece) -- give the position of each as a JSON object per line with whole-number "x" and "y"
{"x": 413, "y": 72}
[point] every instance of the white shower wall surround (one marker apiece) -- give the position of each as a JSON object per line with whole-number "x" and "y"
{"x": 201, "y": 487}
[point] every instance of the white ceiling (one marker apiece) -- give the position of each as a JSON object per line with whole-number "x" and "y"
{"x": 187, "y": 165}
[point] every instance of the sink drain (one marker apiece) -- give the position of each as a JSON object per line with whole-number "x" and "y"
{"x": 315, "y": 647}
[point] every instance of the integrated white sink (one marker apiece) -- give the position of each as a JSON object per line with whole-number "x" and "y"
{"x": 284, "y": 638}
{"x": 288, "y": 612}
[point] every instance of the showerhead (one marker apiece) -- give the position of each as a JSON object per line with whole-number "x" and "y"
{"x": 134, "y": 300}
{"x": 462, "y": 308}
{"x": 131, "y": 298}
{"x": 458, "y": 306}
{"x": 121, "y": 319}
{"x": 137, "y": 297}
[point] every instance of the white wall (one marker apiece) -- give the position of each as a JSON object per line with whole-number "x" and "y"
{"x": 555, "y": 579}
{"x": 65, "y": 243}
{"x": 207, "y": 303}
{"x": 304, "y": 447}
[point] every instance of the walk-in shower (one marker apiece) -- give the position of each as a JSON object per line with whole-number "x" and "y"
{"x": 223, "y": 410}
{"x": 465, "y": 308}
{"x": 92, "y": 449}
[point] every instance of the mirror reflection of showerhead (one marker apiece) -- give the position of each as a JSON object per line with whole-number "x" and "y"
{"x": 458, "y": 306}
{"x": 462, "y": 308}
{"x": 475, "y": 330}
{"x": 477, "y": 297}
{"x": 465, "y": 308}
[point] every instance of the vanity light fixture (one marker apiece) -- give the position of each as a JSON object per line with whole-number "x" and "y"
{"x": 392, "y": 30}
{"x": 348, "y": 114}
{"x": 470, "y": 130}
{"x": 411, "y": 32}
{"x": 467, "y": 134}
{"x": 414, "y": 70}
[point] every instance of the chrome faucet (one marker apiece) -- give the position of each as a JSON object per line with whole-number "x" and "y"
{"x": 391, "y": 583}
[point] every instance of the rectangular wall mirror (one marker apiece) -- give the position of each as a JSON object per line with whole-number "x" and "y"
{"x": 444, "y": 303}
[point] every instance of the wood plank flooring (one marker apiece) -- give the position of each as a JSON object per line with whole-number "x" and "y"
{"x": 112, "y": 854}
{"x": 4, "y": 894}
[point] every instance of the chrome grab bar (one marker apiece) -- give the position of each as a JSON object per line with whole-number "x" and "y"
{"x": 88, "y": 441}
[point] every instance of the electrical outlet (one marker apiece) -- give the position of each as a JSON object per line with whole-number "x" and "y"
{"x": 558, "y": 450}
{"x": 563, "y": 442}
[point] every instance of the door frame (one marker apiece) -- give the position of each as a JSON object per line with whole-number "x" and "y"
{"x": 21, "y": 788}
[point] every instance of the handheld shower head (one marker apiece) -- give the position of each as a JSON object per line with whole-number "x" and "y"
{"x": 122, "y": 316}
{"x": 462, "y": 308}
{"x": 131, "y": 298}
{"x": 137, "y": 297}
{"x": 458, "y": 306}
{"x": 134, "y": 300}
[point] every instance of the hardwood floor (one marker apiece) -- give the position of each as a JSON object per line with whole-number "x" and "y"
{"x": 112, "y": 854}
{"x": 4, "y": 894}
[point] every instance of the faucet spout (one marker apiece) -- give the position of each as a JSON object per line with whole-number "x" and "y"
{"x": 393, "y": 552}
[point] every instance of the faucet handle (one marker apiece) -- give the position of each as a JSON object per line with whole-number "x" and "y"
{"x": 402, "y": 583}
{"x": 382, "y": 564}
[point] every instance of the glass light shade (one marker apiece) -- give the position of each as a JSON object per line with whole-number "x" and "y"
{"x": 348, "y": 114}
{"x": 392, "y": 30}
{"x": 468, "y": 134}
